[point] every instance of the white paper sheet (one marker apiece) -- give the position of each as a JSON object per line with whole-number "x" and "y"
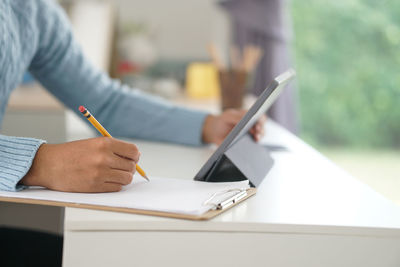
{"x": 160, "y": 194}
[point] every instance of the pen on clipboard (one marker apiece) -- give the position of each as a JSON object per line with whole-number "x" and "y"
{"x": 104, "y": 132}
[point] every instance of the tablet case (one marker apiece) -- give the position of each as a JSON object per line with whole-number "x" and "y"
{"x": 244, "y": 160}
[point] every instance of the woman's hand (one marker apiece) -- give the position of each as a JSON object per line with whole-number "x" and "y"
{"x": 102, "y": 164}
{"x": 216, "y": 128}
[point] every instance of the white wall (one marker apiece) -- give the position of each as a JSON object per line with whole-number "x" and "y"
{"x": 183, "y": 27}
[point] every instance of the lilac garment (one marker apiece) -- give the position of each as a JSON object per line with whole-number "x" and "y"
{"x": 264, "y": 23}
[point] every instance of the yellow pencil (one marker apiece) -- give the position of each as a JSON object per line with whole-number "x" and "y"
{"x": 104, "y": 132}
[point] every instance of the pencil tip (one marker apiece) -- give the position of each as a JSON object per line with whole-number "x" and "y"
{"x": 147, "y": 178}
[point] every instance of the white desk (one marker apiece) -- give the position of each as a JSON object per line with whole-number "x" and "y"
{"x": 307, "y": 212}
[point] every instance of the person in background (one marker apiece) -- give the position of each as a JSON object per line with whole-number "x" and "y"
{"x": 266, "y": 24}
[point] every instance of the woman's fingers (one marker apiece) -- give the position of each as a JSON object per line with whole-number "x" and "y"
{"x": 257, "y": 131}
{"x": 121, "y": 148}
{"x": 118, "y": 177}
{"x": 123, "y": 164}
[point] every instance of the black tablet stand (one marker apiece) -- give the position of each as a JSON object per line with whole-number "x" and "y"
{"x": 244, "y": 160}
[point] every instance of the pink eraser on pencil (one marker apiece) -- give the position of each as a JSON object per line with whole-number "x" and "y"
{"x": 82, "y": 109}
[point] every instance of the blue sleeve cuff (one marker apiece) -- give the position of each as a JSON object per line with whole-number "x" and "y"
{"x": 16, "y": 157}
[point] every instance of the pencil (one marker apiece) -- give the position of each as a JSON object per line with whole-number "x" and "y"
{"x": 235, "y": 58}
{"x": 215, "y": 56}
{"x": 104, "y": 132}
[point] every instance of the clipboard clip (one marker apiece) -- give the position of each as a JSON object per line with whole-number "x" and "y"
{"x": 239, "y": 194}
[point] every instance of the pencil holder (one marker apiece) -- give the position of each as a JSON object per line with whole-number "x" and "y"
{"x": 233, "y": 88}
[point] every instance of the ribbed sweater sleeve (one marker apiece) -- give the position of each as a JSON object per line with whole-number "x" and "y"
{"x": 16, "y": 157}
{"x": 61, "y": 67}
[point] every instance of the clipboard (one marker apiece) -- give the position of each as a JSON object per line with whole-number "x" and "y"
{"x": 215, "y": 209}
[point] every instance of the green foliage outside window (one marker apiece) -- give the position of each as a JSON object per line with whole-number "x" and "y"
{"x": 347, "y": 55}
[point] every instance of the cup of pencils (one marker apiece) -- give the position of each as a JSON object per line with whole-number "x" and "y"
{"x": 233, "y": 77}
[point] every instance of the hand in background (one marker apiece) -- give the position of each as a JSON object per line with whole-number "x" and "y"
{"x": 102, "y": 164}
{"x": 216, "y": 128}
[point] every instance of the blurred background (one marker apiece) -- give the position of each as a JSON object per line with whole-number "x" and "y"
{"x": 347, "y": 58}
{"x": 346, "y": 54}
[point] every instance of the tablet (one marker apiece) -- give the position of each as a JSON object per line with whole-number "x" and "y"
{"x": 264, "y": 101}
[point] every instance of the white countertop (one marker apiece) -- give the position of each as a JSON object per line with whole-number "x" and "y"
{"x": 303, "y": 193}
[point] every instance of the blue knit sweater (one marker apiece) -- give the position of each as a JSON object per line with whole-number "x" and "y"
{"x": 35, "y": 35}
